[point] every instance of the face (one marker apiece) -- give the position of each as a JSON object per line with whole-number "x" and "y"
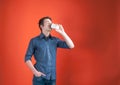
{"x": 47, "y": 25}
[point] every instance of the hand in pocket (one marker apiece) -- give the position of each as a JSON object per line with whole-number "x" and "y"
{"x": 38, "y": 74}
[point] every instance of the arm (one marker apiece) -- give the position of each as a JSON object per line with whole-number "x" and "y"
{"x": 32, "y": 68}
{"x": 29, "y": 53}
{"x": 65, "y": 36}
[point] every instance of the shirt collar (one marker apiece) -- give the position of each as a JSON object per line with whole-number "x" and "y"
{"x": 42, "y": 36}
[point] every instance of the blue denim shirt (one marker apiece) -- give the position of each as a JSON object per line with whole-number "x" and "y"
{"x": 44, "y": 51}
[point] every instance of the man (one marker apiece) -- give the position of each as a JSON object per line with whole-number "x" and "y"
{"x": 44, "y": 48}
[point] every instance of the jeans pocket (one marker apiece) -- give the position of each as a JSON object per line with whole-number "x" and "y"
{"x": 37, "y": 78}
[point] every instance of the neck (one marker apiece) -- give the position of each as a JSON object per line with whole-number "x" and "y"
{"x": 46, "y": 33}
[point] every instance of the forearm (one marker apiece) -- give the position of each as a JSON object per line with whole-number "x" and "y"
{"x": 65, "y": 36}
{"x": 67, "y": 40}
{"x": 30, "y": 66}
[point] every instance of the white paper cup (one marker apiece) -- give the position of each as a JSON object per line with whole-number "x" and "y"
{"x": 55, "y": 26}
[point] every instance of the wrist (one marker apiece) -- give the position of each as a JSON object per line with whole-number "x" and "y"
{"x": 63, "y": 34}
{"x": 35, "y": 71}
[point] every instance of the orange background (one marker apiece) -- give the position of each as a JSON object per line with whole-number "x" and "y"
{"x": 93, "y": 25}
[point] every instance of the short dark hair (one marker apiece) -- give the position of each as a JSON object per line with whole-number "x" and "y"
{"x": 41, "y": 21}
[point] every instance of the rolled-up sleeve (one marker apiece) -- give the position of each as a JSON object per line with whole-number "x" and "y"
{"x": 61, "y": 44}
{"x": 30, "y": 51}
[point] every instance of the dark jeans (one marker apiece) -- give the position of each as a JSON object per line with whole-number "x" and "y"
{"x": 43, "y": 81}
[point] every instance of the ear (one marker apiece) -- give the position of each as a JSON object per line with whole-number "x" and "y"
{"x": 41, "y": 26}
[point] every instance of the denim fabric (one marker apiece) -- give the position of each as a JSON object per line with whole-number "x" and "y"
{"x": 44, "y": 51}
{"x": 43, "y": 81}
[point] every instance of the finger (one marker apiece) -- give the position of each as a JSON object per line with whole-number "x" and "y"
{"x": 43, "y": 74}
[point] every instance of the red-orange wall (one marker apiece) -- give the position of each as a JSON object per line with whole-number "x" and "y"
{"x": 93, "y": 25}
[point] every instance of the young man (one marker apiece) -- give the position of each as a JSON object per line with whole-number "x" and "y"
{"x": 44, "y": 48}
